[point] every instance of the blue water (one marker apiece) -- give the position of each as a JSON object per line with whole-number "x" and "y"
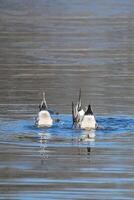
{"x": 111, "y": 125}
{"x": 58, "y": 47}
{"x": 62, "y": 162}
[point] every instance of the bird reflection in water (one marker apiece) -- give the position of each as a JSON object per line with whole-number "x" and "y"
{"x": 43, "y": 146}
{"x": 86, "y": 142}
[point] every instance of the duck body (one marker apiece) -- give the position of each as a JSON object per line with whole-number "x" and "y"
{"x": 83, "y": 119}
{"x": 44, "y": 118}
{"x": 88, "y": 122}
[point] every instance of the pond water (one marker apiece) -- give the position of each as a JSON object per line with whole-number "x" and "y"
{"x": 58, "y": 47}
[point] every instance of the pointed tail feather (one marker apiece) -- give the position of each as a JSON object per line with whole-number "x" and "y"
{"x": 43, "y": 105}
{"x": 73, "y": 113}
{"x": 79, "y": 100}
{"x": 44, "y": 99}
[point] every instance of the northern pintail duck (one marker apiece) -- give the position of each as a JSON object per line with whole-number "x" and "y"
{"x": 44, "y": 118}
{"x": 88, "y": 122}
{"x": 83, "y": 119}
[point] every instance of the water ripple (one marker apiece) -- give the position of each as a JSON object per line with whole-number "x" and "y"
{"x": 25, "y": 129}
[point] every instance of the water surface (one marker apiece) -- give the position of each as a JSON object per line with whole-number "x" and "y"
{"x": 59, "y": 47}
{"x": 61, "y": 162}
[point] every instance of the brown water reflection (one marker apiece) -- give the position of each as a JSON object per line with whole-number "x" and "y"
{"x": 59, "y": 47}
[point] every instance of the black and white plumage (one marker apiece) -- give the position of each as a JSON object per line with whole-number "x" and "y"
{"x": 88, "y": 122}
{"x": 44, "y": 118}
{"x": 83, "y": 119}
{"x": 77, "y": 112}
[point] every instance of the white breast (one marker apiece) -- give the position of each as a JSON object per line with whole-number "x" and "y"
{"x": 44, "y": 119}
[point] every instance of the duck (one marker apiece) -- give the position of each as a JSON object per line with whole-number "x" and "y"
{"x": 88, "y": 121}
{"x": 77, "y": 111}
{"x": 79, "y": 106}
{"x": 83, "y": 119}
{"x": 44, "y": 118}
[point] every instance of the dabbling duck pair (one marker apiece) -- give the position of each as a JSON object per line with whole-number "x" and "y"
{"x": 83, "y": 119}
